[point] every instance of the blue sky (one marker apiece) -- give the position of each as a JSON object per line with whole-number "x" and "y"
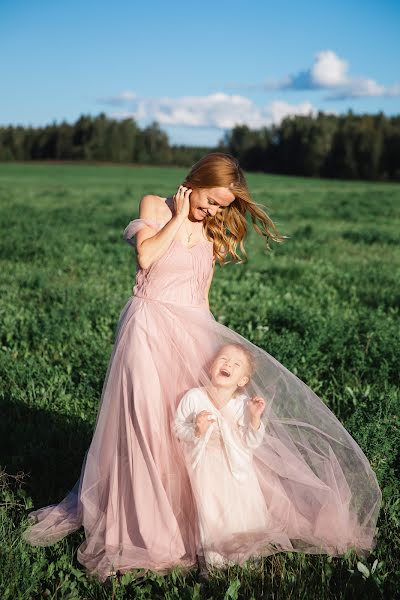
{"x": 196, "y": 68}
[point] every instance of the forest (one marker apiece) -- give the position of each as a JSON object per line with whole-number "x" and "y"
{"x": 350, "y": 146}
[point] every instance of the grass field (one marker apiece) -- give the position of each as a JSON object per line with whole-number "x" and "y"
{"x": 325, "y": 303}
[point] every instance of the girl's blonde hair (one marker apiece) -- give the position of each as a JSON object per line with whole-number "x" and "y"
{"x": 228, "y": 228}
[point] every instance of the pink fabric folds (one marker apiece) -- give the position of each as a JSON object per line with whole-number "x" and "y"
{"x": 310, "y": 486}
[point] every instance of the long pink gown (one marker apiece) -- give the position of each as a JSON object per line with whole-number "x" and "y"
{"x": 134, "y": 498}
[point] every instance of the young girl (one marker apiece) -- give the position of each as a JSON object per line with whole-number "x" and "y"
{"x": 220, "y": 427}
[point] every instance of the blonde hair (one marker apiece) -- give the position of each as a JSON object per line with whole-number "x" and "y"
{"x": 228, "y": 228}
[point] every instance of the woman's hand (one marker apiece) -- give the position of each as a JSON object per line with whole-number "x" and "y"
{"x": 202, "y": 422}
{"x": 181, "y": 201}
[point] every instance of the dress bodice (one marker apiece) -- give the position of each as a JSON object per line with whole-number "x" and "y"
{"x": 178, "y": 276}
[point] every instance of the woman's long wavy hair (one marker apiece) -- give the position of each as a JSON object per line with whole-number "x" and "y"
{"x": 228, "y": 228}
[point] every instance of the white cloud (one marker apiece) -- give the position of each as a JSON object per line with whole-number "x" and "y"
{"x": 219, "y": 110}
{"x": 329, "y": 72}
{"x": 117, "y": 100}
{"x": 359, "y": 88}
{"x": 279, "y": 110}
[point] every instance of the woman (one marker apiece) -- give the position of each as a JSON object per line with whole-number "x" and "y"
{"x": 133, "y": 496}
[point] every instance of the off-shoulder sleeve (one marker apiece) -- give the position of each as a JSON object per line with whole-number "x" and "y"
{"x": 133, "y": 227}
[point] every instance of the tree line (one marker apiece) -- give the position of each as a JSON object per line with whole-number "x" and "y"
{"x": 347, "y": 146}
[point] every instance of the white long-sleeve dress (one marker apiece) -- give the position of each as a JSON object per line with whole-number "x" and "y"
{"x": 231, "y": 507}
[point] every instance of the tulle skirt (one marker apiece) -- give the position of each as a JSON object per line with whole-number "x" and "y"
{"x": 312, "y": 488}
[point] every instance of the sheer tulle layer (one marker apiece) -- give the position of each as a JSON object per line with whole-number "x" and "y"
{"x": 311, "y": 489}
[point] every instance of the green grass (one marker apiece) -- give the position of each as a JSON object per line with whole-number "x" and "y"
{"x": 325, "y": 303}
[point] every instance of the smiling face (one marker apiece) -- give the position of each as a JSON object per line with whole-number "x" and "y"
{"x": 230, "y": 368}
{"x": 207, "y": 202}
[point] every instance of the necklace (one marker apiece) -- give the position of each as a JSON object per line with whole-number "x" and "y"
{"x": 188, "y": 235}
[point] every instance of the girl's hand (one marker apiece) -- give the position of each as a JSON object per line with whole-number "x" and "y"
{"x": 256, "y": 406}
{"x": 181, "y": 201}
{"x": 202, "y": 422}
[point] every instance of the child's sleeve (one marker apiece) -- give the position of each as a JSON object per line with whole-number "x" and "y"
{"x": 251, "y": 438}
{"x": 184, "y": 421}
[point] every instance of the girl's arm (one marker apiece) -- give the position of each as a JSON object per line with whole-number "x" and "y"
{"x": 184, "y": 421}
{"x": 251, "y": 438}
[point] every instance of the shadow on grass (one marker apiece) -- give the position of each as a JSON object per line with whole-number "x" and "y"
{"x": 48, "y": 447}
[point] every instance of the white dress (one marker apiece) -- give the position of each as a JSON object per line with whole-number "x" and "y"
{"x": 231, "y": 507}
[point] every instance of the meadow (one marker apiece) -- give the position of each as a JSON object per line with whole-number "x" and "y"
{"x": 325, "y": 303}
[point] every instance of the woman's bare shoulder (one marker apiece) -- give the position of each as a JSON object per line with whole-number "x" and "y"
{"x": 154, "y": 207}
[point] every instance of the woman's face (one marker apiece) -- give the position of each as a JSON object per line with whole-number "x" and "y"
{"x": 207, "y": 202}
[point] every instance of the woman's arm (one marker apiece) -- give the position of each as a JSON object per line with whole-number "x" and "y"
{"x": 150, "y": 246}
{"x": 209, "y": 284}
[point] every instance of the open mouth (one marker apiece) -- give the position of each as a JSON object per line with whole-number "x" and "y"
{"x": 224, "y": 372}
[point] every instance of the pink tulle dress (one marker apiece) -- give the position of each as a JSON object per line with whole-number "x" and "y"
{"x": 316, "y": 491}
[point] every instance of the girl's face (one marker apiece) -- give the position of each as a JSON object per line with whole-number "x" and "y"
{"x": 229, "y": 368}
{"x": 207, "y": 202}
